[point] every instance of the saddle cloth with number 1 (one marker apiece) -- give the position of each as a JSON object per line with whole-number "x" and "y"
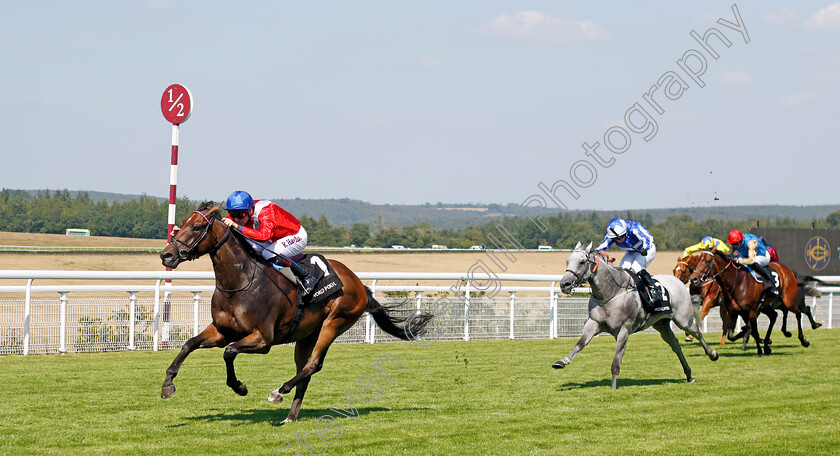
{"x": 328, "y": 281}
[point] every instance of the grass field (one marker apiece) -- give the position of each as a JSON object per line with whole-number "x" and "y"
{"x": 496, "y": 397}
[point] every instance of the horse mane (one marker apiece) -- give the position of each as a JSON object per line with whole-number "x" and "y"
{"x": 205, "y": 205}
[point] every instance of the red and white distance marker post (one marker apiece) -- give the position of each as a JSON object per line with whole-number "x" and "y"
{"x": 176, "y": 105}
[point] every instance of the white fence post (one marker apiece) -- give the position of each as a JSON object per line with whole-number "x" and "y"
{"x": 132, "y": 311}
{"x": 369, "y": 326}
{"x": 467, "y": 312}
{"x": 196, "y": 300}
{"x": 830, "y": 308}
{"x": 552, "y": 313}
{"x": 156, "y": 315}
{"x": 27, "y": 310}
{"x": 62, "y": 331}
{"x": 512, "y": 301}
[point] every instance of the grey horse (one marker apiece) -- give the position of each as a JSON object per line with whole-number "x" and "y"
{"x": 615, "y": 307}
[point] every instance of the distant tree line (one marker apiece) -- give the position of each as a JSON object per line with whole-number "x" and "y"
{"x": 54, "y": 212}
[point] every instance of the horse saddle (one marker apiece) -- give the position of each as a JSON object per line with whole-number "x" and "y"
{"x": 328, "y": 281}
{"x": 653, "y": 307}
{"x": 758, "y": 278}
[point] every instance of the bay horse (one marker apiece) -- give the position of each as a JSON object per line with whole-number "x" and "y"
{"x": 710, "y": 293}
{"x": 615, "y": 308}
{"x": 745, "y": 293}
{"x": 253, "y": 307}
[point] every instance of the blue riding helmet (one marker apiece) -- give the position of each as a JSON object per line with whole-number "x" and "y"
{"x": 239, "y": 200}
{"x": 616, "y": 228}
{"x": 706, "y": 240}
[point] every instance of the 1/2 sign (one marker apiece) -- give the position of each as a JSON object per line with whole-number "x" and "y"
{"x": 176, "y": 104}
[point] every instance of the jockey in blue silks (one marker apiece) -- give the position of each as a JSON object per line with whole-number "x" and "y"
{"x": 754, "y": 253}
{"x": 640, "y": 250}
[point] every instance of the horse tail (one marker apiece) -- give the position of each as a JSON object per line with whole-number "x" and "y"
{"x": 809, "y": 284}
{"x": 408, "y": 328}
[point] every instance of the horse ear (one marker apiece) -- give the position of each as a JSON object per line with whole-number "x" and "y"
{"x": 214, "y": 210}
{"x": 577, "y": 246}
{"x": 589, "y": 247}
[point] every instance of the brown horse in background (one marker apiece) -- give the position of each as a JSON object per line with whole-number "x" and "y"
{"x": 746, "y": 293}
{"x": 708, "y": 291}
{"x": 253, "y": 307}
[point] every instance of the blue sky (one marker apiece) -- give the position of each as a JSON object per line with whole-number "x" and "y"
{"x": 414, "y": 102}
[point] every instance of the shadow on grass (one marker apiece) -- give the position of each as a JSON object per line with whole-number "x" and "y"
{"x": 622, "y": 382}
{"x": 277, "y": 415}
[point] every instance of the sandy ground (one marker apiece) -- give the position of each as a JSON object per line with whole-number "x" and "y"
{"x": 391, "y": 261}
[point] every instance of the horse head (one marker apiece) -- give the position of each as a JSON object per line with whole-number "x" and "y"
{"x": 577, "y": 267}
{"x": 710, "y": 264}
{"x": 683, "y": 269}
{"x": 198, "y": 235}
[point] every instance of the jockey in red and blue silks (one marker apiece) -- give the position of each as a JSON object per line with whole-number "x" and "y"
{"x": 640, "y": 250}
{"x": 272, "y": 231}
{"x": 752, "y": 252}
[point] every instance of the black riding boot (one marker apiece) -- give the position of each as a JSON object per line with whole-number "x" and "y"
{"x": 769, "y": 282}
{"x": 307, "y": 280}
{"x": 654, "y": 301}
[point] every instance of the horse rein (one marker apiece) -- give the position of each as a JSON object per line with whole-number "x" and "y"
{"x": 579, "y": 279}
{"x": 188, "y": 253}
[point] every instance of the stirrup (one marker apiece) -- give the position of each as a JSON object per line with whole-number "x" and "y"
{"x": 307, "y": 284}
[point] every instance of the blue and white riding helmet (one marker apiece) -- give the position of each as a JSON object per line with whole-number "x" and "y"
{"x": 707, "y": 240}
{"x": 239, "y": 200}
{"x": 616, "y": 228}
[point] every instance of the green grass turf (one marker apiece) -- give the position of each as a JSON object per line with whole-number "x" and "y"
{"x": 494, "y": 397}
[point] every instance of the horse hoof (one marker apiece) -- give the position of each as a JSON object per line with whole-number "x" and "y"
{"x": 767, "y": 351}
{"x": 167, "y": 391}
{"x": 690, "y": 380}
{"x": 714, "y": 356}
{"x": 805, "y": 343}
{"x": 787, "y": 334}
{"x": 241, "y": 389}
{"x": 275, "y": 398}
{"x": 816, "y": 325}
{"x": 559, "y": 364}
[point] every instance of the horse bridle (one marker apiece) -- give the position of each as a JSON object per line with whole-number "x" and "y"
{"x": 581, "y": 278}
{"x": 188, "y": 253}
{"x": 705, "y": 277}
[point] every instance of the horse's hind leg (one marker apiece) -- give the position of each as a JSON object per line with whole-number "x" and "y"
{"x": 303, "y": 350}
{"x": 691, "y": 327}
{"x": 252, "y": 343}
{"x": 784, "y": 322}
{"x": 664, "y": 328}
{"x": 210, "y": 337}
{"x": 314, "y": 362}
{"x": 772, "y": 315}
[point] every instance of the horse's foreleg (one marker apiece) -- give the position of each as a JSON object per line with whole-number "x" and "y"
{"x": 210, "y": 337}
{"x": 252, "y": 343}
{"x": 664, "y": 328}
{"x": 620, "y": 346}
{"x": 303, "y": 350}
{"x": 590, "y": 329}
